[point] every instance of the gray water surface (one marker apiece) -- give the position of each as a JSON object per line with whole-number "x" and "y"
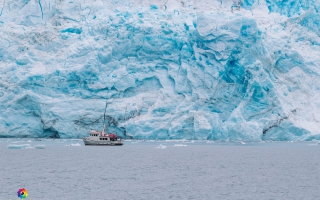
{"x": 146, "y": 170}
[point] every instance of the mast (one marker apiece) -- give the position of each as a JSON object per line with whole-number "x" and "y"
{"x": 104, "y": 118}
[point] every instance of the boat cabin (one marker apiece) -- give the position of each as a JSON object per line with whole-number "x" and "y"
{"x": 97, "y": 135}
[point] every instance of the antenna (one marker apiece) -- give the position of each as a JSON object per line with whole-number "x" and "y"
{"x": 104, "y": 118}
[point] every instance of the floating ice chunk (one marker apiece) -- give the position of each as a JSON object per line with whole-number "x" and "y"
{"x": 40, "y": 146}
{"x": 15, "y": 142}
{"x": 242, "y": 142}
{"x": 73, "y": 145}
{"x": 180, "y": 145}
{"x": 18, "y": 146}
{"x": 29, "y": 141}
{"x": 161, "y": 146}
{"x": 25, "y": 146}
{"x": 183, "y": 140}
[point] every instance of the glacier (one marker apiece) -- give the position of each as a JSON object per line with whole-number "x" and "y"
{"x": 167, "y": 69}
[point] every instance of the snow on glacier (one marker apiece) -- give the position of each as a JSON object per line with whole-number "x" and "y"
{"x": 168, "y": 69}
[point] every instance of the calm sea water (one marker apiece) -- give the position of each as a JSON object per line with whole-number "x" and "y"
{"x": 148, "y": 170}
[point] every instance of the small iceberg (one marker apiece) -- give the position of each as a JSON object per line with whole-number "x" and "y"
{"x": 16, "y": 142}
{"x": 73, "y": 145}
{"x": 161, "y": 146}
{"x": 40, "y": 146}
{"x": 183, "y": 140}
{"x": 25, "y": 146}
{"x": 18, "y": 146}
{"x": 180, "y": 145}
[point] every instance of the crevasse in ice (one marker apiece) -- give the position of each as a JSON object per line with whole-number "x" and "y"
{"x": 168, "y": 69}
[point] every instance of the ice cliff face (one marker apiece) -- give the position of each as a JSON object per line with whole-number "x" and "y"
{"x": 169, "y": 69}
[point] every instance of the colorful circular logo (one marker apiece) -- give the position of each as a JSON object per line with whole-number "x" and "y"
{"x": 22, "y": 193}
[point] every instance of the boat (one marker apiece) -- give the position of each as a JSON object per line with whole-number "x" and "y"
{"x": 102, "y": 138}
{"x": 98, "y": 138}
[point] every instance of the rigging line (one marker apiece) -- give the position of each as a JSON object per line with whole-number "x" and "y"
{"x": 104, "y": 116}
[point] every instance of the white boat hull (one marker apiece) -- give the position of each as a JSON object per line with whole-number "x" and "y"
{"x": 103, "y": 142}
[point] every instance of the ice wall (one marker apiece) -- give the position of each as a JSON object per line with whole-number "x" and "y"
{"x": 169, "y": 69}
